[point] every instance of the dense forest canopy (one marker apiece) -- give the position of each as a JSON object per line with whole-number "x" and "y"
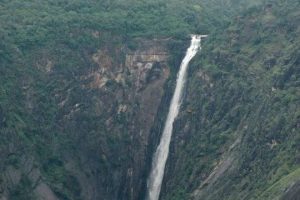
{"x": 24, "y": 24}
{"x": 35, "y": 22}
{"x": 247, "y": 75}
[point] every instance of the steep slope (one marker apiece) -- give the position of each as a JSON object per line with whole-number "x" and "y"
{"x": 82, "y": 131}
{"x": 238, "y": 134}
{"x": 85, "y": 87}
{"x": 79, "y": 94}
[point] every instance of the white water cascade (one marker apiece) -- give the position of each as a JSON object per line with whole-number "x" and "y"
{"x": 160, "y": 157}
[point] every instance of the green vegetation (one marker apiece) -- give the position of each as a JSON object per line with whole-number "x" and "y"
{"x": 243, "y": 86}
{"x": 278, "y": 188}
{"x": 23, "y": 191}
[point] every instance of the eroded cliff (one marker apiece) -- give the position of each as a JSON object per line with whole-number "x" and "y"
{"x": 97, "y": 136}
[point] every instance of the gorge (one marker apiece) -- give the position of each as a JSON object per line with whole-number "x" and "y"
{"x": 113, "y": 100}
{"x": 161, "y": 154}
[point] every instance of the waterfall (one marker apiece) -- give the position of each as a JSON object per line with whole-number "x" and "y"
{"x": 160, "y": 157}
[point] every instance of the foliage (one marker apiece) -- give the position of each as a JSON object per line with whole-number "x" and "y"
{"x": 243, "y": 89}
{"x": 48, "y": 110}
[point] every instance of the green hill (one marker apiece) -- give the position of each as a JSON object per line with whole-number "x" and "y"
{"x": 85, "y": 86}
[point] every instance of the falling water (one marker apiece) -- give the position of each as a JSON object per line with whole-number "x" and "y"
{"x": 162, "y": 151}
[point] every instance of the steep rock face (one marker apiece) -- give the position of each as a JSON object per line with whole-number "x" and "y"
{"x": 98, "y": 115}
{"x": 132, "y": 91}
{"x": 237, "y": 135}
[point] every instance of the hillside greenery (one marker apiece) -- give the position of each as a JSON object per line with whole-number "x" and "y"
{"x": 251, "y": 58}
{"x": 243, "y": 90}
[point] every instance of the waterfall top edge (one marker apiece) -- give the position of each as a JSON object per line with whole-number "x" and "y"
{"x": 198, "y": 36}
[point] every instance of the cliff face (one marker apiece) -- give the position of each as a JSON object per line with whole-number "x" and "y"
{"x": 237, "y": 135}
{"x": 82, "y": 103}
{"x": 97, "y": 136}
